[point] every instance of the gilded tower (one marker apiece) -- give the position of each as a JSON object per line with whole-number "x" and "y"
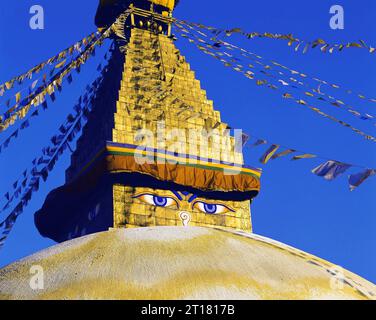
{"x": 154, "y": 152}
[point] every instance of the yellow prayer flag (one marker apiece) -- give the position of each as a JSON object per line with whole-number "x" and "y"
{"x": 354, "y": 44}
{"x": 261, "y": 82}
{"x": 304, "y": 156}
{"x": 9, "y": 85}
{"x": 59, "y": 65}
{"x": 18, "y": 97}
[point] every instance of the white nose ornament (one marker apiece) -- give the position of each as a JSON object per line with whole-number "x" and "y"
{"x": 185, "y": 218}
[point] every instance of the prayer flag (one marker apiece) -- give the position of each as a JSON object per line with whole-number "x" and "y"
{"x": 331, "y": 169}
{"x": 304, "y": 156}
{"x": 355, "y": 180}
{"x": 260, "y": 142}
{"x": 18, "y": 97}
{"x": 283, "y": 153}
{"x": 269, "y": 153}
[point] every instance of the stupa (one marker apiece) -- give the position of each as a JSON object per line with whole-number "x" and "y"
{"x": 157, "y": 198}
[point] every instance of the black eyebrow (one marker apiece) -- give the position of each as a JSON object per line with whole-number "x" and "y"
{"x": 136, "y": 179}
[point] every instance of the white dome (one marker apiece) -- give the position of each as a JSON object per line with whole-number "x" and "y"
{"x": 179, "y": 263}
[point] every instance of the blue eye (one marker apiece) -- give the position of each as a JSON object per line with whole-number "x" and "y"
{"x": 160, "y": 201}
{"x": 157, "y": 201}
{"x": 210, "y": 208}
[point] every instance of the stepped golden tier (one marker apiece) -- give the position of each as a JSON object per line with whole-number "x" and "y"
{"x": 157, "y": 198}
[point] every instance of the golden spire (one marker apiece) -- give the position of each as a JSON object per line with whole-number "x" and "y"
{"x": 109, "y": 10}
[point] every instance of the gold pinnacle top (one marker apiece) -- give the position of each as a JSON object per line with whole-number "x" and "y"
{"x": 170, "y": 4}
{"x": 109, "y": 10}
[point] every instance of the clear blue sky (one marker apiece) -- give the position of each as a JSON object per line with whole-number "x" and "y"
{"x": 294, "y": 206}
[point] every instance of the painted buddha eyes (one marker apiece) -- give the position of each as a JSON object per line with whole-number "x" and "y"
{"x": 166, "y": 202}
{"x": 157, "y": 201}
{"x": 211, "y": 208}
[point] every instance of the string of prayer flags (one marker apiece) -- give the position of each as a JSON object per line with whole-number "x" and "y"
{"x": 315, "y": 93}
{"x": 20, "y": 110}
{"x": 25, "y": 124}
{"x": 33, "y": 186}
{"x": 45, "y": 164}
{"x": 329, "y": 170}
{"x": 312, "y": 93}
{"x": 119, "y": 25}
{"x": 8, "y": 85}
{"x": 17, "y": 112}
{"x": 70, "y": 128}
{"x": 289, "y": 38}
{"x": 218, "y": 43}
{"x": 263, "y": 82}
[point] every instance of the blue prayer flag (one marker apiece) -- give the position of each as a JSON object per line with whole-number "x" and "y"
{"x": 355, "y": 180}
{"x": 331, "y": 169}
